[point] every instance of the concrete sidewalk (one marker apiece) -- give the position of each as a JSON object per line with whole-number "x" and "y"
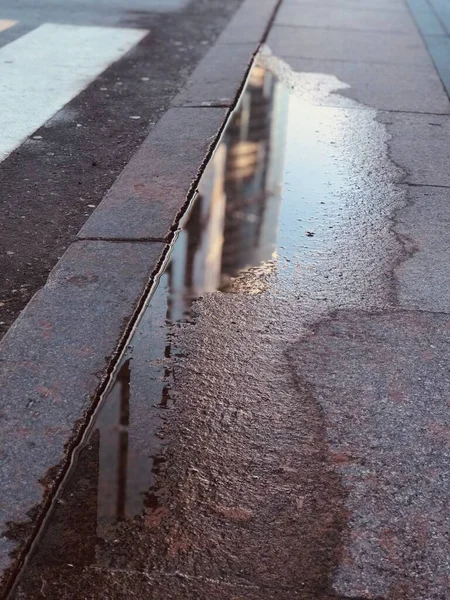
{"x": 352, "y": 447}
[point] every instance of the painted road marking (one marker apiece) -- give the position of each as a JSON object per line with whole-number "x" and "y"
{"x": 6, "y": 24}
{"x": 43, "y": 70}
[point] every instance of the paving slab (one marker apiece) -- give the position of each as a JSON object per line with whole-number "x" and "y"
{"x": 219, "y": 76}
{"x": 342, "y": 17}
{"x": 423, "y": 280}
{"x": 383, "y": 383}
{"x": 386, "y": 87}
{"x": 363, "y": 46}
{"x": 52, "y": 361}
{"x": 153, "y": 187}
{"x": 420, "y": 145}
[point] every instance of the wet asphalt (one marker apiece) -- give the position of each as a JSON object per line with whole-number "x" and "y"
{"x": 278, "y": 425}
{"x": 52, "y": 183}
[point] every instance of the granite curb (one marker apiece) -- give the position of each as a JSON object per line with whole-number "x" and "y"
{"x": 52, "y": 361}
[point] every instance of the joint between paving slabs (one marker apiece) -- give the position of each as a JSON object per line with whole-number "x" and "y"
{"x": 384, "y": 110}
{"x": 351, "y": 29}
{"x": 271, "y": 21}
{"x": 419, "y": 185}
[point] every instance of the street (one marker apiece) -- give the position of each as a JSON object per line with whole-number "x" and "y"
{"x": 235, "y": 383}
{"x": 81, "y": 138}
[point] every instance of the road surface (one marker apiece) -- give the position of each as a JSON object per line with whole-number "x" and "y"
{"x": 81, "y": 85}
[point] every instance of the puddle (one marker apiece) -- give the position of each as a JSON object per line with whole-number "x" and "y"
{"x": 293, "y": 205}
{"x": 231, "y": 226}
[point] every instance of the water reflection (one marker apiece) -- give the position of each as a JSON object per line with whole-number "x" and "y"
{"x": 232, "y": 225}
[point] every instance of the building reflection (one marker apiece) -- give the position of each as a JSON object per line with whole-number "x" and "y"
{"x": 232, "y": 225}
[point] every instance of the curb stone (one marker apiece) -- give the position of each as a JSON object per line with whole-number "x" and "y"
{"x": 52, "y": 361}
{"x": 153, "y": 187}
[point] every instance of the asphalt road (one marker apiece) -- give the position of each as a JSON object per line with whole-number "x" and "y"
{"x": 82, "y": 84}
{"x": 100, "y": 12}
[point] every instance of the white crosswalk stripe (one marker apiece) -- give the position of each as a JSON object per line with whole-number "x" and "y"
{"x": 43, "y": 70}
